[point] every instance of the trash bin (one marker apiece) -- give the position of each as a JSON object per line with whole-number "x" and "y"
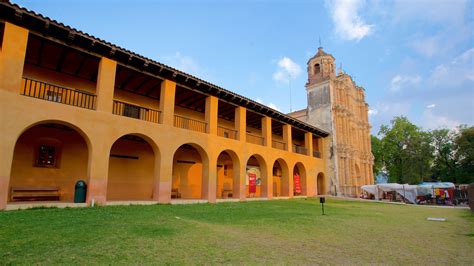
{"x": 80, "y": 192}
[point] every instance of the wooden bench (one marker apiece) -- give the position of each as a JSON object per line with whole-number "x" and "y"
{"x": 226, "y": 194}
{"x": 175, "y": 194}
{"x": 34, "y": 193}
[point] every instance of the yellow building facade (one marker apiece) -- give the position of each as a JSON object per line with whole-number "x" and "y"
{"x": 337, "y": 105}
{"x": 74, "y": 107}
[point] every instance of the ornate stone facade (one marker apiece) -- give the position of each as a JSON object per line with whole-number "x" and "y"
{"x": 337, "y": 105}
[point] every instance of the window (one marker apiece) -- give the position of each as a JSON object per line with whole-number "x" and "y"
{"x": 317, "y": 68}
{"x": 131, "y": 111}
{"x": 46, "y": 156}
{"x": 53, "y": 96}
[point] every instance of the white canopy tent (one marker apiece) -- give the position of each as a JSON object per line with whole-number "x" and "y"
{"x": 408, "y": 192}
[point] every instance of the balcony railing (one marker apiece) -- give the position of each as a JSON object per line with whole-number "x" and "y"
{"x": 226, "y": 132}
{"x": 255, "y": 139}
{"x": 44, "y": 91}
{"x": 188, "y": 123}
{"x": 137, "y": 112}
{"x": 300, "y": 150}
{"x": 317, "y": 154}
{"x": 278, "y": 144}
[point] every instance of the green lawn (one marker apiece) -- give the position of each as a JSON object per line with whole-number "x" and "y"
{"x": 258, "y": 232}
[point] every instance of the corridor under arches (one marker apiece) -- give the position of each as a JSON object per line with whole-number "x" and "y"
{"x": 190, "y": 177}
{"x": 131, "y": 169}
{"x": 256, "y": 177}
{"x": 299, "y": 180}
{"x": 227, "y": 183}
{"x": 281, "y": 179}
{"x": 48, "y": 159}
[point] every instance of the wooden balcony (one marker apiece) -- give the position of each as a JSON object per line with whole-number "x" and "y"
{"x": 53, "y": 93}
{"x": 255, "y": 139}
{"x": 300, "y": 150}
{"x": 190, "y": 124}
{"x": 226, "y": 132}
{"x": 279, "y": 145}
{"x": 135, "y": 111}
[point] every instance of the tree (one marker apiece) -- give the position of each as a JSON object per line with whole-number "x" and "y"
{"x": 407, "y": 153}
{"x": 465, "y": 154}
{"x": 377, "y": 151}
{"x": 445, "y": 166}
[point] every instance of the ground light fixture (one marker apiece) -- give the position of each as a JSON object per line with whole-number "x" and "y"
{"x": 322, "y": 200}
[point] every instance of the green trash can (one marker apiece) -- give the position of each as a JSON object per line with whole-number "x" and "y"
{"x": 80, "y": 192}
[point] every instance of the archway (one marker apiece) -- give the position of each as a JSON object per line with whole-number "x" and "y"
{"x": 190, "y": 174}
{"x": 256, "y": 177}
{"x": 281, "y": 179}
{"x": 299, "y": 174}
{"x": 49, "y": 158}
{"x": 320, "y": 184}
{"x": 131, "y": 169}
{"x": 227, "y": 183}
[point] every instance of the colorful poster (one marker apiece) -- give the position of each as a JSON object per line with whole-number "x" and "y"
{"x": 252, "y": 183}
{"x": 297, "y": 183}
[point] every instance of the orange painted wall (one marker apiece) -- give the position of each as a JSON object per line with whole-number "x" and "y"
{"x": 131, "y": 179}
{"x": 71, "y": 167}
{"x": 187, "y": 177}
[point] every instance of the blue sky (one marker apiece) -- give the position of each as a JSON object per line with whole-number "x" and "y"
{"x": 414, "y": 58}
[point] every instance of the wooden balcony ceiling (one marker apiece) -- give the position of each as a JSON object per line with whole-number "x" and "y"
{"x": 95, "y": 47}
{"x": 133, "y": 81}
{"x": 61, "y": 58}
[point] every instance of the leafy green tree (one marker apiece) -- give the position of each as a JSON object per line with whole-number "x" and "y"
{"x": 445, "y": 165}
{"x": 377, "y": 151}
{"x": 465, "y": 154}
{"x": 407, "y": 153}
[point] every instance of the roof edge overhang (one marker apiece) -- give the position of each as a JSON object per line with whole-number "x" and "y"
{"x": 48, "y": 28}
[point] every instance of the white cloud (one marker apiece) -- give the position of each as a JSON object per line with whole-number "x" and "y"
{"x": 183, "y": 63}
{"x": 430, "y": 120}
{"x": 287, "y": 69}
{"x": 271, "y": 105}
{"x": 373, "y": 112}
{"x": 428, "y": 46}
{"x": 348, "y": 24}
{"x": 453, "y": 74}
{"x": 431, "y": 106}
{"x": 400, "y": 82}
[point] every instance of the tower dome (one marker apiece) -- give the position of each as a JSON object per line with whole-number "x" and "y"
{"x": 320, "y": 67}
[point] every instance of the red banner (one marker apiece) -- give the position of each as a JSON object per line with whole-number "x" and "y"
{"x": 252, "y": 183}
{"x": 297, "y": 183}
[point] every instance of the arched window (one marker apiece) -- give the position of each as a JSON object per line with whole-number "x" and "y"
{"x": 317, "y": 69}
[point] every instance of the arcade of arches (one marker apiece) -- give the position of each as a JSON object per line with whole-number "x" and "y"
{"x": 57, "y": 155}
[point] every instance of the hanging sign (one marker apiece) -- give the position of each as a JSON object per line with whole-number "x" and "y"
{"x": 297, "y": 183}
{"x": 252, "y": 183}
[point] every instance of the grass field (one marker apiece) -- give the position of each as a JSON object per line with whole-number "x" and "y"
{"x": 258, "y": 232}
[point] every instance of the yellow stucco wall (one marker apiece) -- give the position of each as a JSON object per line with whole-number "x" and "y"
{"x": 156, "y": 172}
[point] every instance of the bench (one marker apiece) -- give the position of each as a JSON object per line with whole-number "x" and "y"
{"x": 34, "y": 193}
{"x": 175, "y": 194}
{"x": 226, "y": 194}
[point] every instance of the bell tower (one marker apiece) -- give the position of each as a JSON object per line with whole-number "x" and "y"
{"x": 320, "y": 67}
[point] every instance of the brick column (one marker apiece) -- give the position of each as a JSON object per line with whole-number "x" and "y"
{"x": 241, "y": 124}
{"x": 167, "y": 94}
{"x": 267, "y": 131}
{"x": 12, "y": 57}
{"x": 105, "y": 85}
{"x": 211, "y": 114}
{"x": 287, "y": 137}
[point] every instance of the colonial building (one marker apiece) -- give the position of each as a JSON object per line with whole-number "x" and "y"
{"x": 74, "y": 107}
{"x": 337, "y": 105}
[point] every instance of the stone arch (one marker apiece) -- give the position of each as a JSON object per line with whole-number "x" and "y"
{"x": 320, "y": 184}
{"x": 281, "y": 178}
{"x": 228, "y": 175}
{"x": 51, "y": 154}
{"x": 299, "y": 170}
{"x": 256, "y": 164}
{"x": 133, "y": 168}
{"x": 190, "y": 172}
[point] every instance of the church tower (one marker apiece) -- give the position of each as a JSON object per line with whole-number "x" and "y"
{"x": 337, "y": 105}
